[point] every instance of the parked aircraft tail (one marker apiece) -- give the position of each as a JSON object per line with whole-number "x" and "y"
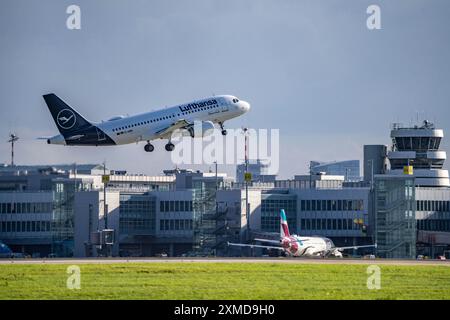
{"x": 284, "y": 229}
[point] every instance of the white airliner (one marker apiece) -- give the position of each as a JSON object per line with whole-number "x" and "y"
{"x": 77, "y": 131}
{"x": 297, "y": 246}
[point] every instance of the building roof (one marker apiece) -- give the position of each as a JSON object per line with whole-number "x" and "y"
{"x": 81, "y": 168}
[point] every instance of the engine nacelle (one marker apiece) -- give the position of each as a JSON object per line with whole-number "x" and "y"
{"x": 58, "y": 139}
{"x": 200, "y": 129}
{"x": 337, "y": 254}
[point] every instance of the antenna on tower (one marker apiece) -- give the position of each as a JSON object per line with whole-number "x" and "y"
{"x": 12, "y": 138}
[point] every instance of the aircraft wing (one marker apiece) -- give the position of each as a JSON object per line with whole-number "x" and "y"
{"x": 167, "y": 131}
{"x": 268, "y": 241}
{"x": 253, "y": 246}
{"x": 355, "y": 247}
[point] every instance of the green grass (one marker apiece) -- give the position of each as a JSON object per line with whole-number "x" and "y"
{"x": 223, "y": 281}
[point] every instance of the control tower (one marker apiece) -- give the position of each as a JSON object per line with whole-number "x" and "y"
{"x": 418, "y": 146}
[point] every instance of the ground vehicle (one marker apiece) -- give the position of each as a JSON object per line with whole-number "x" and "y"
{"x": 5, "y": 251}
{"x": 161, "y": 255}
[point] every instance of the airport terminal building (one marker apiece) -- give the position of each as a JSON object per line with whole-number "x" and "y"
{"x": 402, "y": 204}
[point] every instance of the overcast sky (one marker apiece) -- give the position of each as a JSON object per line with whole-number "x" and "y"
{"x": 309, "y": 68}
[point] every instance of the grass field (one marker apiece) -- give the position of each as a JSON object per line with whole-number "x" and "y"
{"x": 223, "y": 281}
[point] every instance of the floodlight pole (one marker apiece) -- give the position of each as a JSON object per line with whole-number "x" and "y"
{"x": 12, "y": 138}
{"x": 105, "y": 211}
{"x": 247, "y": 209}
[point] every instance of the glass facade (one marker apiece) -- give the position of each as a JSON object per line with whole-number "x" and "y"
{"x": 326, "y": 224}
{"x": 26, "y": 207}
{"x": 63, "y": 219}
{"x": 332, "y": 205}
{"x": 175, "y": 224}
{"x": 349, "y": 169}
{"x": 270, "y": 213}
{"x": 63, "y": 216}
{"x": 13, "y": 211}
{"x": 419, "y": 144}
{"x": 204, "y": 211}
{"x": 175, "y": 206}
{"x": 395, "y": 223}
{"x": 24, "y": 226}
{"x": 137, "y": 214}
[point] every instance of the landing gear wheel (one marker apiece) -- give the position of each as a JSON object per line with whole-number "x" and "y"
{"x": 170, "y": 146}
{"x": 149, "y": 147}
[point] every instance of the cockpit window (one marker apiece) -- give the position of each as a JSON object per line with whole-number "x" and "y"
{"x": 235, "y": 100}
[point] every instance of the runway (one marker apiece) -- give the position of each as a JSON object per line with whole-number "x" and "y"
{"x": 227, "y": 260}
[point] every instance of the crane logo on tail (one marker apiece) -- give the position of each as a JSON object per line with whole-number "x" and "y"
{"x": 66, "y": 119}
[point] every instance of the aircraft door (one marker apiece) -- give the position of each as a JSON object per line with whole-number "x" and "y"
{"x": 224, "y": 105}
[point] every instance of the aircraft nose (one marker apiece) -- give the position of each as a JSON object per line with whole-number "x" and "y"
{"x": 244, "y": 106}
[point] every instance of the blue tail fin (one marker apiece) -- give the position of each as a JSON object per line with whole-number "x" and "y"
{"x": 67, "y": 119}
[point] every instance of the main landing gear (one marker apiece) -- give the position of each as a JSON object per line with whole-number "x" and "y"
{"x": 224, "y": 132}
{"x": 149, "y": 147}
{"x": 169, "y": 146}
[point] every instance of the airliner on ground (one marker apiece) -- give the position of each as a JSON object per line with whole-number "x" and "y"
{"x": 298, "y": 246}
{"x": 75, "y": 130}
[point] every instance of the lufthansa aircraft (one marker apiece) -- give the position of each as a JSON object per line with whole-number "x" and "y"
{"x": 77, "y": 131}
{"x": 297, "y": 246}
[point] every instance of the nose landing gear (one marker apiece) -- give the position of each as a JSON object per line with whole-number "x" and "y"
{"x": 224, "y": 132}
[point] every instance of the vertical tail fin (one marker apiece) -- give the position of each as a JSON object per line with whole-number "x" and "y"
{"x": 284, "y": 229}
{"x": 66, "y": 118}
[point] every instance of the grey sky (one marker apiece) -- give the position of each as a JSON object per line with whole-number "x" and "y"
{"x": 310, "y": 68}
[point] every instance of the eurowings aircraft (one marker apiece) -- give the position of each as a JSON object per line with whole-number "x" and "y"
{"x": 298, "y": 246}
{"x": 75, "y": 130}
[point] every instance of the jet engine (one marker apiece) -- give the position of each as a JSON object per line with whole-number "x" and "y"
{"x": 200, "y": 129}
